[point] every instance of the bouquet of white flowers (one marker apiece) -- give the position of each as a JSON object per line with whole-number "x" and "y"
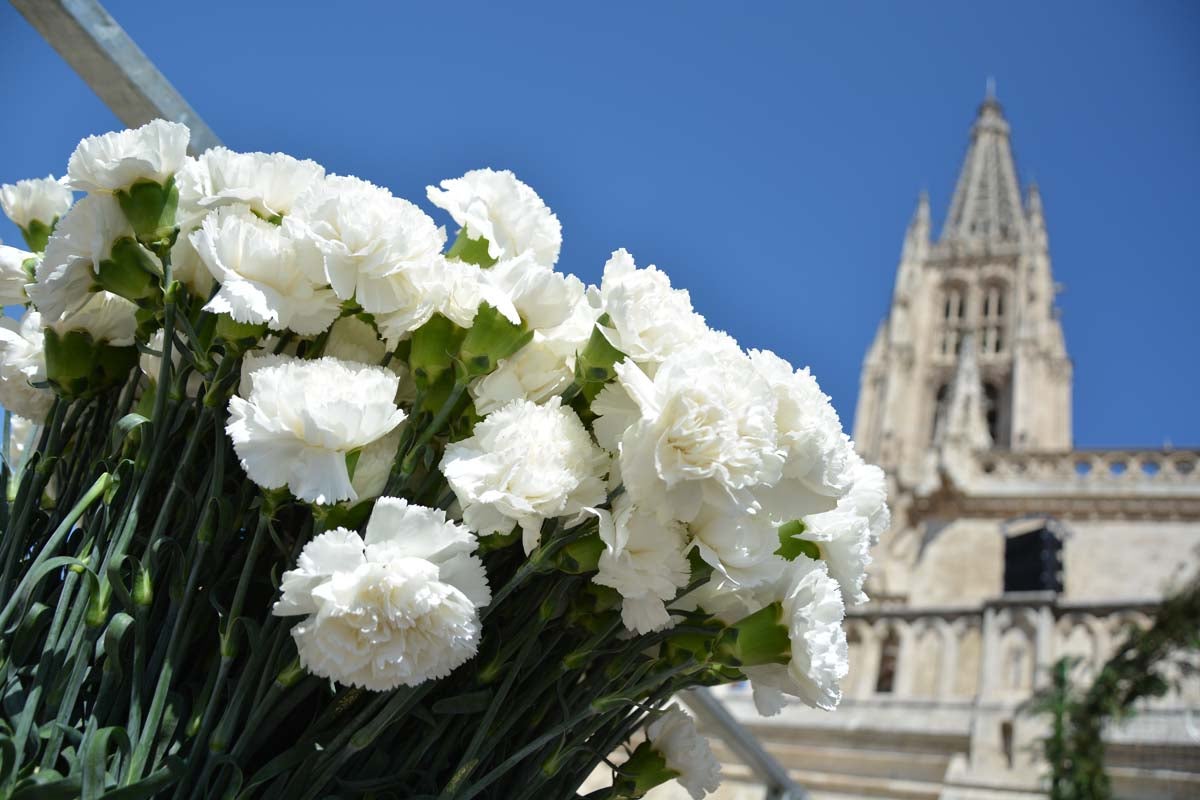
{"x": 303, "y": 503}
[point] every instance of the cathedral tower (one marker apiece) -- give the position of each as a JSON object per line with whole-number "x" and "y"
{"x": 972, "y": 323}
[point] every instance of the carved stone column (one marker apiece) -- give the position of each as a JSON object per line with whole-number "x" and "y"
{"x": 989, "y": 653}
{"x": 948, "y": 664}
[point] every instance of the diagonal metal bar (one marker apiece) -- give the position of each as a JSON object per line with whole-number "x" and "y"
{"x": 744, "y": 744}
{"x": 96, "y": 47}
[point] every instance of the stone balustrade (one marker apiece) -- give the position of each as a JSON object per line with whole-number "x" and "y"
{"x": 1107, "y": 468}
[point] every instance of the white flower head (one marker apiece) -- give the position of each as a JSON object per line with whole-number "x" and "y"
{"x": 644, "y": 560}
{"x": 297, "y": 420}
{"x": 369, "y": 240}
{"x": 674, "y": 736}
{"x": 542, "y": 368}
{"x": 22, "y": 360}
{"x": 13, "y": 276}
{"x": 704, "y": 429}
{"x": 269, "y": 183}
{"x": 265, "y": 275}
{"x": 525, "y": 290}
{"x": 525, "y": 463}
{"x": 739, "y": 543}
{"x": 82, "y": 239}
{"x": 352, "y": 339}
{"x": 649, "y": 320}
{"x": 396, "y": 607}
{"x": 498, "y": 207}
{"x": 115, "y": 161}
{"x": 106, "y": 317}
{"x": 820, "y": 456}
{"x": 846, "y": 534}
{"x": 35, "y": 200}
{"x": 451, "y": 288}
{"x": 813, "y": 612}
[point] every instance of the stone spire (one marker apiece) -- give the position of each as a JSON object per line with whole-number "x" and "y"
{"x": 965, "y": 421}
{"x": 987, "y": 199}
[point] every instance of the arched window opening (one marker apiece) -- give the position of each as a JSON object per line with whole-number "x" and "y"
{"x": 954, "y": 314}
{"x": 991, "y": 409}
{"x": 992, "y": 324}
{"x": 889, "y": 654}
{"x": 941, "y": 402}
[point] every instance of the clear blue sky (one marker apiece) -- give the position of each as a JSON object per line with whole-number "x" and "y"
{"x": 769, "y": 160}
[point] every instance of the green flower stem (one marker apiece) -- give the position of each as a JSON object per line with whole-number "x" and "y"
{"x": 409, "y": 462}
{"x": 98, "y": 488}
{"x": 229, "y": 654}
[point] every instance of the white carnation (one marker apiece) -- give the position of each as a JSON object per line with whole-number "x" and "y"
{"x": 297, "y": 421}
{"x": 106, "y": 317}
{"x": 352, "y": 339}
{"x": 377, "y": 249}
{"x": 674, "y": 736}
{"x": 648, "y": 319}
{"x": 644, "y": 561}
{"x": 82, "y": 239}
{"x": 542, "y": 368}
{"x": 450, "y": 288}
{"x": 115, "y": 161}
{"x": 498, "y": 207}
{"x": 13, "y": 276}
{"x": 846, "y": 534}
{"x": 22, "y": 437}
{"x": 739, "y": 543}
{"x": 523, "y": 464}
{"x": 819, "y": 455}
{"x": 37, "y": 199}
{"x": 705, "y": 429}
{"x": 269, "y": 183}
{"x": 22, "y": 360}
{"x": 396, "y": 607}
{"x": 266, "y": 276}
{"x": 187, "y": 267}
{"x": 813, "y": 613}
{"x": 524, "y": 290}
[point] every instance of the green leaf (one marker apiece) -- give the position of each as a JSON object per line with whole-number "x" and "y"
{"x": 95, "y": 759}
{"x": 150, "y": 785}
{"x": 26, "y": 642}
{"x": 469, "y": 703}
{"x": 47, "y": 785}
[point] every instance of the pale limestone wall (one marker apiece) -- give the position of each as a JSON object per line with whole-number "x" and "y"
{"x": 961, "y": 564}
{"x": 1108, "y": 559}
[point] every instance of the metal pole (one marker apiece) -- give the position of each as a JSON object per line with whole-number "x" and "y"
{"x": 745, "y": 745}
{"x": 100, "y": 50}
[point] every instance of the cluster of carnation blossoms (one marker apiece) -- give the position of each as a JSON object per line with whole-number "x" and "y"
{"x": 611, "y": 405}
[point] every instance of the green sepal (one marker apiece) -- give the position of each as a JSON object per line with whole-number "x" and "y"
{"x": 760, "y": 638}
{"x": 150, "y": 209}
{"x": 498, "y": 541}
{"x": 79, "y": 367}
{"x": 491, "y": 339}
{"x": 241, "y": 335}
{"x": 343, "y": 515}
{"x": 433, "y": 348}
{"x": 641, "y": 772}
{"x": 471, "y": 251}
{"x": 790, "y": 545}
{"x": 693, "y": 644}
{"x": 580, "y": 556}
{"x": 131, "y": 273}
{"x": 595, "y": 363}
{"x": 352, "y": 461}
{"x": 37, "y": 234}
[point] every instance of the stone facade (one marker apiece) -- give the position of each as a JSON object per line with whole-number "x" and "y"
{"x": 965, "y": 400}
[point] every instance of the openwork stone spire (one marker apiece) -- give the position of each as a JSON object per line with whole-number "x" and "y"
{"x": 987, "y": 198}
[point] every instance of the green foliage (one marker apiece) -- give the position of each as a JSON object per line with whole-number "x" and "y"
{"x": 1074, "y": 747}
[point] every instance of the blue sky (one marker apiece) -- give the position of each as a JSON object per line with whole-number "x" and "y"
{"x": 768, "y": 159}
